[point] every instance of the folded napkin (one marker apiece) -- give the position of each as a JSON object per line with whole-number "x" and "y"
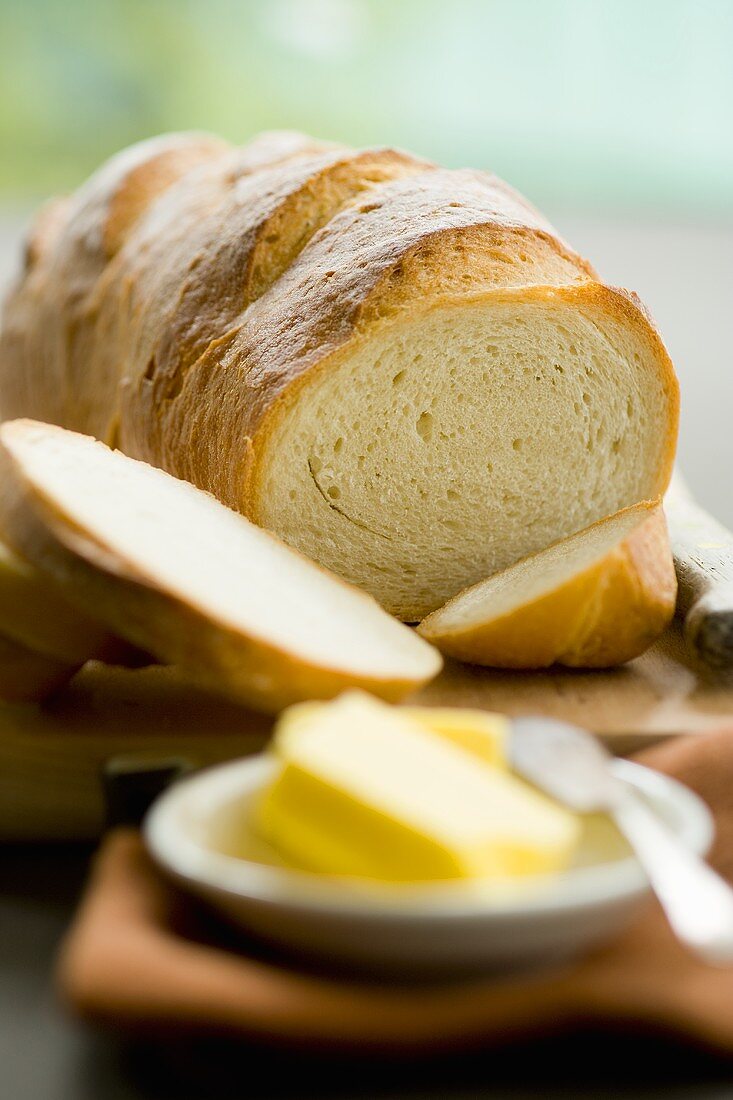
{"x": 131, "y": 961}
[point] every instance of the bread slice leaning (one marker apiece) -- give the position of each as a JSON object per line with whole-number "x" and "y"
{"x": 38, "y": 618}
{"x": 44, "y": 640}
{"x": 169, "y": 568}
{"x": 593, "y": 600}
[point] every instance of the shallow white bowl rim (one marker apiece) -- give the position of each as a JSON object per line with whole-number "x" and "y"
{"x": 206, "y": 870}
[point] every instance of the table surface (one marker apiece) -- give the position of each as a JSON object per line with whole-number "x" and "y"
{"x": 45, "y": 1055}
{"x": 684, "y": 274}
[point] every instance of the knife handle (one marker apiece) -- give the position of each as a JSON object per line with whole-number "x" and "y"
{"x": 703, "y": 558}
{"x": 131, "y": 784}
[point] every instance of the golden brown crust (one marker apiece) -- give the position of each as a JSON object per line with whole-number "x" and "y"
{"x": 52, "y": 342}
{"x": 604, "y": 615}
{"x": 44, "y": 231}
{"x": 634, "y": 603}
{"x": 238, "y": 240}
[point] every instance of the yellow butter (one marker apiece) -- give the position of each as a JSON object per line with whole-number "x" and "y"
{"x": 480, "y": 732}
{"x": 366, "y": 790}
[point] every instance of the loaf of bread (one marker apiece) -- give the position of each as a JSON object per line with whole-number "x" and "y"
{"x": 171, "y": 570}
{"x": 594, "y": 600}
{"x": 399, "y": 369}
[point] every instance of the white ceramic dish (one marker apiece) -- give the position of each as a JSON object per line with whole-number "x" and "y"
{"x": 422, "y": 929}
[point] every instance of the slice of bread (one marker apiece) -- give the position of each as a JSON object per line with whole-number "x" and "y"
{"x": 593, "y": 600}
{"x": 27, "y": 676}
{"x": 170, "y": 569}
{"x": 38, "y": 618}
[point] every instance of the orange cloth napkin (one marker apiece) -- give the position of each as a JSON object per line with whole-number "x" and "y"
{"x": 128, "y": 962}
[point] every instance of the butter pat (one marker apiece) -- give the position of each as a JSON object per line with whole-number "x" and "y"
{"x": 479, "y": 732}
{"x": 366, "y": 790}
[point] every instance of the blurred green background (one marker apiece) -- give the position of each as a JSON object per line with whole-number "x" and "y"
{"x": 594, "y": 104}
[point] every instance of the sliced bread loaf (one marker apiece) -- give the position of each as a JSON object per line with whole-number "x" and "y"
{"x": 172, "y": 570}
{"x": 596, "y": 599}
{"x": 401, "y": 370}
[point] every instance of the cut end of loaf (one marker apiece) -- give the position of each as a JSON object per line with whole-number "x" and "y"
{"x": 596, "y": 599}
{"x": 452, "y": 444}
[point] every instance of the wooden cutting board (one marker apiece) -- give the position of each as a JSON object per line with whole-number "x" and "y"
{"x": 51, "y": 757}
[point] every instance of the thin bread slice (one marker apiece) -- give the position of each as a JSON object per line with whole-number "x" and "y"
{"x": 593, "y": 600}
{"x": 27, "y": 676}
{"x": 37, "y": 617}
{"x": 172, "y": 570}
